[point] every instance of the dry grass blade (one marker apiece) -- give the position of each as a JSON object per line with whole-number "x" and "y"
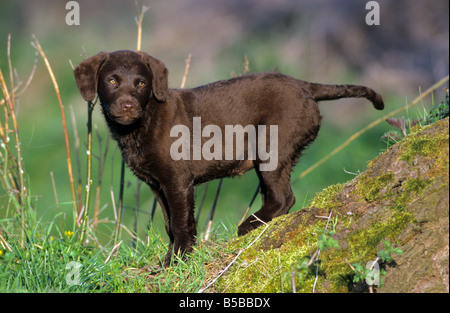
{"x": 4, "y": 244}
{"x": 22, "y": 192}
{"x": 38, "y": 47}
{"x": 186, "y": 71}
{"x": 10, "y": 103}
{"x": 139, "y": 20}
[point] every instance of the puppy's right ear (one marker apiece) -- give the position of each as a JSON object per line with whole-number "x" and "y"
{"x": 86, "y": 75}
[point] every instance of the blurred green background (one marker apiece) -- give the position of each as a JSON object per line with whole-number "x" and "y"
{"x": 324, "y": 41}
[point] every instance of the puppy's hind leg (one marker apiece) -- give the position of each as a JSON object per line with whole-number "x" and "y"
{"x": 277, "y": 195}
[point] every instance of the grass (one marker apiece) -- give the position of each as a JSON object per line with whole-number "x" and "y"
{"x": 48, "y": 263}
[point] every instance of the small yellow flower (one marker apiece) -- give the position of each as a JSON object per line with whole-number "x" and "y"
{"x": 1, "y": 252}
{"x": 68, "y": 233}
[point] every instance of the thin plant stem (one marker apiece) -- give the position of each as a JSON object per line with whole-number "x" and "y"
{"x": 77, "y": 153}
{"x": 139, "y": 19}
{"x": 208, "y": 224}
{"x": 202, "y": 201}
{"x": 250, "y": 204}
{"x": 152, "y": 211}
{"x": 117, "y": 231}
{"x": 55, "y": 193}
{"x": 136, "y": 210}
{"x": 101, "y": 168}
{"x": 186, "y": 71}
{"x": 22, "y": 189}
{"x": 85, "y": 211}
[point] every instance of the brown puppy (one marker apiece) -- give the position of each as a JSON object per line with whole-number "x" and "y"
{"x": 272, "y": 116}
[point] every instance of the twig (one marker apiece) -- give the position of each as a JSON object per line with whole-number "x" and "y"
{"x": 349, "y": 264}
{"x": 116, "y": 246}
{"x": 318, "y": 254}
{"x": 314, "y": 258}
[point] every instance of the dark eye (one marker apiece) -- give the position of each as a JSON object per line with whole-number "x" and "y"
{"x": 141, "y": 83}
{"x": 112, "y": 81}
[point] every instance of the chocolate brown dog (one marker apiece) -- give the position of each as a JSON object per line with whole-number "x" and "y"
{"x": 143, "y": 115}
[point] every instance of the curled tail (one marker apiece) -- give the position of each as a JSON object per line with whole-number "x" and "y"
{"x": 331, "y": 92}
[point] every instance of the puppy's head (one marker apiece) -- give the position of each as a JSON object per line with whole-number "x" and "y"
{"x": 125, "y": 82}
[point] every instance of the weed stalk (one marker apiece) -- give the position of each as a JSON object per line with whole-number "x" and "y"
{"x": 85, "y": 211}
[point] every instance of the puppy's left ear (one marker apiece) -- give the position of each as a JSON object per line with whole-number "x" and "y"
{"x": 160, "y": 74}
{"x": 86, "y": 75}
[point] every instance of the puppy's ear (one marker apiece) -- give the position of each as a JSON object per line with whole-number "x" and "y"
{"x": 86, "y": 75}
{"x": 160, "y": 73}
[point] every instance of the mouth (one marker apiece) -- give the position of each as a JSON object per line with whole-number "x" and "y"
{"x": 124, "y": 114}
{"x": 125, "y": 119}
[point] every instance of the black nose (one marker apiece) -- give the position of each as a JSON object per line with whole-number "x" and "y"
{"x": 127, "y": 107}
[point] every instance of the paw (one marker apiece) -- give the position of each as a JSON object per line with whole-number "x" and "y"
{"x": 248, "y": 225}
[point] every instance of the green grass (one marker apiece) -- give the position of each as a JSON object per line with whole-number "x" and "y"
{"x": 58, "y": 263}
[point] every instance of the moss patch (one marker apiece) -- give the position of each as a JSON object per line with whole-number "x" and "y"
{"x": 370, "y": 188}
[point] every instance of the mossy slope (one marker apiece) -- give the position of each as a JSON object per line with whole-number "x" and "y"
{"x": 403, "y": 197}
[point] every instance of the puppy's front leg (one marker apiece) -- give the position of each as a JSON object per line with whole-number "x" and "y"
{"x": 181, "y": 219}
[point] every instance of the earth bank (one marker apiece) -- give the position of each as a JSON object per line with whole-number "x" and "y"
{"x": 402, "y": 198}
